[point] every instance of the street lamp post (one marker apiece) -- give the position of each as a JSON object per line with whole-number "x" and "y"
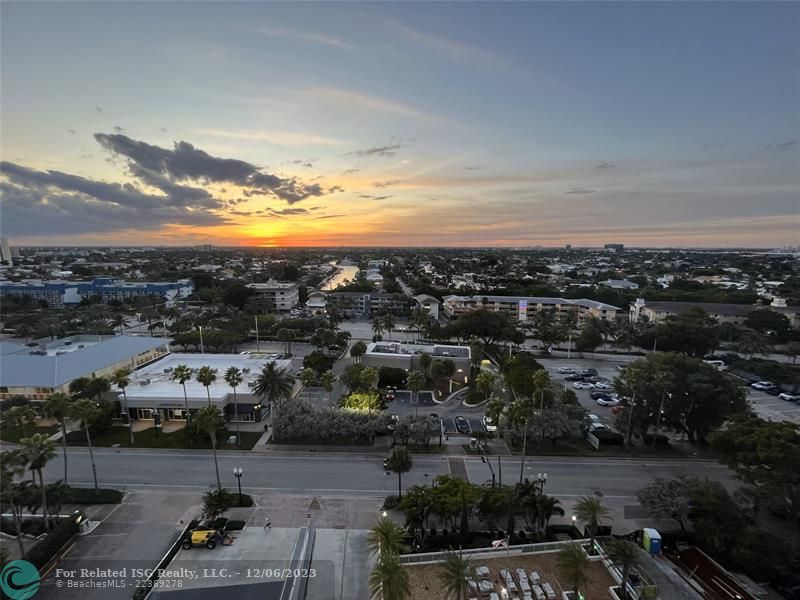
{"x": 237, "y": 472}
{"x": 202, "y": 350}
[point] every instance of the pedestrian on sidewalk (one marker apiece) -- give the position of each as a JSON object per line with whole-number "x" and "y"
{"x": 268, "y": 524}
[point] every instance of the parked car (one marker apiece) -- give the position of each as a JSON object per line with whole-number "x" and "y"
{"x": 789, "y": 397}
{"x": 607, "y": 401}
{"x": 488, "y": 424}
{"x": 390, "y": 394}
{"x": 598, "y": 394}
{"x": 462, "y": 425}
{"x": 582, "y": 385}
{"x": 565, "y": 370}
{"x": 604, "y": 385}
{"x": 588, "y": 372}
{"x": 573, "y": 377}
{"x": 763, "y": 385}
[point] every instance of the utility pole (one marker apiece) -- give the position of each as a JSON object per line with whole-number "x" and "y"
{"x": 258, "y": 346}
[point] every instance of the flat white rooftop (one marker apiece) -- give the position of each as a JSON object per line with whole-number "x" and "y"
{"x": 155, "y": 380}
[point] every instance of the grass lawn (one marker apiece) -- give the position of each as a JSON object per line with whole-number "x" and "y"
{"x": 14, "y": 435}
{"x": 149, "y": 439}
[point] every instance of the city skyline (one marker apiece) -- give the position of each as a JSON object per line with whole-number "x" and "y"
{"x": 401, "y": 125}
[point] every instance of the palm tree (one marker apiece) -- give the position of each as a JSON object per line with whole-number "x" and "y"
{"x": 207, "y": 376}
{"x": 122, "y": 378}
{"x": 234, "y": 378}
{"x": 453, "y": 573}
{"x": 85, "y": 411}
{"x": 308, "y": 377}
{"x": 38, "y": 450}
{"x": 274, "y": 385}
{"x": 326, "y": 380}
{"x": 573, "y": 564}
{"x": 182, "y": 374}
{"x": 425, "y": 361}
{"x": 286, "y": 335}
{"x": 389, "y": 580}
{"x": 210, "y": 420}
{"x": 378, "y": 326}
{"x": 485, "y": 382}
{"x": 547, "y": 507}
{"x": 14, "y": 495}
{"x": 590, "y": 510}
{"x": 357, "y": 350}
{"x": 415, "y": 382}
{"x": 388, "y": 323}
{"x": 625, "y": 556}
{"x": 386, "y": 537}
{"x": 57, "y": 407}
{"x": 21, "y": 417}
{"x": 399, "y": 462}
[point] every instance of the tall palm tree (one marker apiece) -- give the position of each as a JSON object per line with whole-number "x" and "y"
{"x": 286, "y": 335}
{"x": 207, "y": 376}
{"x": 425, "y": 361}
{"x": 274, "y": 385}
{"x": 573, "y": 565}
{"x": 547, "y": 507}
{"x": 388, "y": 323}
{"x": 484, "y": 382}
{"x": 415, "y": 382}
{"x": 326, "y": 380}
{"x": 85, "y": 411}
{"x": 38, "y": 450}
{"x": 590, "y": 510}
{"x": 210, "y": 420}
{"x": 386, "y": 537}
{"x": 57, "y": 407}
{"x": 234, "y": 378}
{"x": 625, "y": 556}
{"x": 453, "y": 573}
{"x": 399, "y": 462}
{"x": 182, "y": 374}
{"x": 14, "y": 494}
{"x": 122, "y": 379}
{"x": 389, "y": 580}
{"x": 378, "y": 326}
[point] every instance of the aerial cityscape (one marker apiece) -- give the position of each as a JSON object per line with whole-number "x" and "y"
{"x": 350, "y": 301}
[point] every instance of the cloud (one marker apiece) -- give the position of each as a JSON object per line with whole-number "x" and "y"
{"x": 580, "y": 190}
{"x": 287, "y": 212}
{"x": 387, "y": 183}
{"x": 350, "y": 171}
{"x": 371, "y": 197}
{"x": 98, "y": 109}
{"x": 783, "y": 146}
{"x": 72, "y": 131}
{"x": 472, "y": 168}
{"x": 304, "y": 36}
{"x": 605, "y": 165}
{"x": 119, "y": 129}
{"x": 389, "y": 150}
{"x": 185, "y": 163}
{"x": 279, "y": 138}
{"x": 374, "y": 103}
{"x": 163, "y": 130}
{"x": 330, "y": 216}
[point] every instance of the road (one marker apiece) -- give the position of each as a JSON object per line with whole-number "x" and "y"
{"x": 361, "y": 474}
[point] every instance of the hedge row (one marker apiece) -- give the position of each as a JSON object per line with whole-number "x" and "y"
{"x": 92, "y": 496}
{"x": 44, "y": 551}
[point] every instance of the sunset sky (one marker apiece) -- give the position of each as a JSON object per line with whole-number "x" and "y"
{"x": 468, "y": 124}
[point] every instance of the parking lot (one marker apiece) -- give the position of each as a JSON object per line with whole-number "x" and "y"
{"x": 773, "y": 408}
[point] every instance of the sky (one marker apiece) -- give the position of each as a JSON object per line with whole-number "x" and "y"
{"x": 400, "y": 124}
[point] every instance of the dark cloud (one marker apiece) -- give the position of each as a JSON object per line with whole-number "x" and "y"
{"x": 335, "y": 188}
{"x": 389, "y": 150}
{"x": 72, "y": 131}
{"x": 287, "y": 212}
{"x": 605, "y": 165}
{"x": 242, "y": 213}
{"x": 119, "y": 129}
{"x": 387, "y": 183}
{"x": 370, "y": 197}
{"x": 184, "y": 162}
{"x": 351, "y": 171}
{"x": 580, "y": 190}
{"x": 783, "y": 146}
{"x": 98, "y": 109}
{"x": 163, "y": 130}
{"x": 308, "y": 165}
{"x": 330, "y": 216}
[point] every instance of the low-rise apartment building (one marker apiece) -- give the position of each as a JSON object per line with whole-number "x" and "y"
{"x": 276, "y": 296}
{"x": 655, "y": 311}
{"x": 521, "y": 308}
{"x": 366, "y": 304}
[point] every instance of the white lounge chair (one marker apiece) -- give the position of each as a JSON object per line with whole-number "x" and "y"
{"x": 548, "y": 591}
{"x": 482, "y": 572}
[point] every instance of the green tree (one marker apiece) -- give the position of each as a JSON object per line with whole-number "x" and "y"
{"x": 389, "y": 580}
{"x": 388, "y": 323}
{"x": 425, "y": 361}
{"x": 15, "y": 495}
{"x": 386, "y": 538}
{"x": 399, "y": 462}
{"x": 667, "y": 498}
{"x": 86, "y": 411}
{"x": 454, "y": 571}
{"x": 591, "y": 336}
{"x": 287, "y": 336}
{"x": 751, "y": 343}
{"x": 485, "y": 382}
{"x": 274, "y": 385}
{"x": 210, "y": 420}
{"x": 494, "y": 410}
{"x": 216, "y": 502}
{"x": 234, "y": 378}
{"x": 573, "y": 565}
{"x": 766, "y": 320}
{"x": 415, "y": 382}
{"x": 57, "y": 406}
{"x": 590, "y": 511}
{"x": 378, "y": 326}
{"x": 21, "y": 417}
{"x": 206, "y": 375}
{"x": 357, "y": 350}
{"x": 692, "y": 332}
{"x": 326, "y": 380}
{"x": 182, "y": 374}
{"x": 38, "y": 450}
{"x": 625, "y": 556}
{"x": 122, "y": 379}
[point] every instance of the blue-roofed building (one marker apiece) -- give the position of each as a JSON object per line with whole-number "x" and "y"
{"x": 58, "y": 293}
{"x": 35, "y": 371}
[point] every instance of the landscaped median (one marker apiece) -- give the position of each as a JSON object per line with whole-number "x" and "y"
{"x": 149, "y": 438}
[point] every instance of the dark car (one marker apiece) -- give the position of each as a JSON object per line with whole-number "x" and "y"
{"x": 596, "y": 395}
{"x": 588, "y": 372}
{"x": 575, "y": 377}
{"x": 462, "y": 425}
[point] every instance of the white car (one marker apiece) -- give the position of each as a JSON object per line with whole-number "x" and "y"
{"x": 604, "y": 385}
{"x": 763, "y": 385}
{"x": 582, "y": 385}
{"x": 488, "y": 425}
{"x": 565, "y": 370}
{"x": 607, "y": 401}
{"x": 789, "y": 397}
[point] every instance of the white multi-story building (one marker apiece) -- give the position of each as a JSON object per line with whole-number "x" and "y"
{"x": 277, "y": 296}
{"x": 521, "y": 308}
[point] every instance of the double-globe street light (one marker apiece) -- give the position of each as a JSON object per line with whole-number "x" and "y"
{"x": 238, "y": 472}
